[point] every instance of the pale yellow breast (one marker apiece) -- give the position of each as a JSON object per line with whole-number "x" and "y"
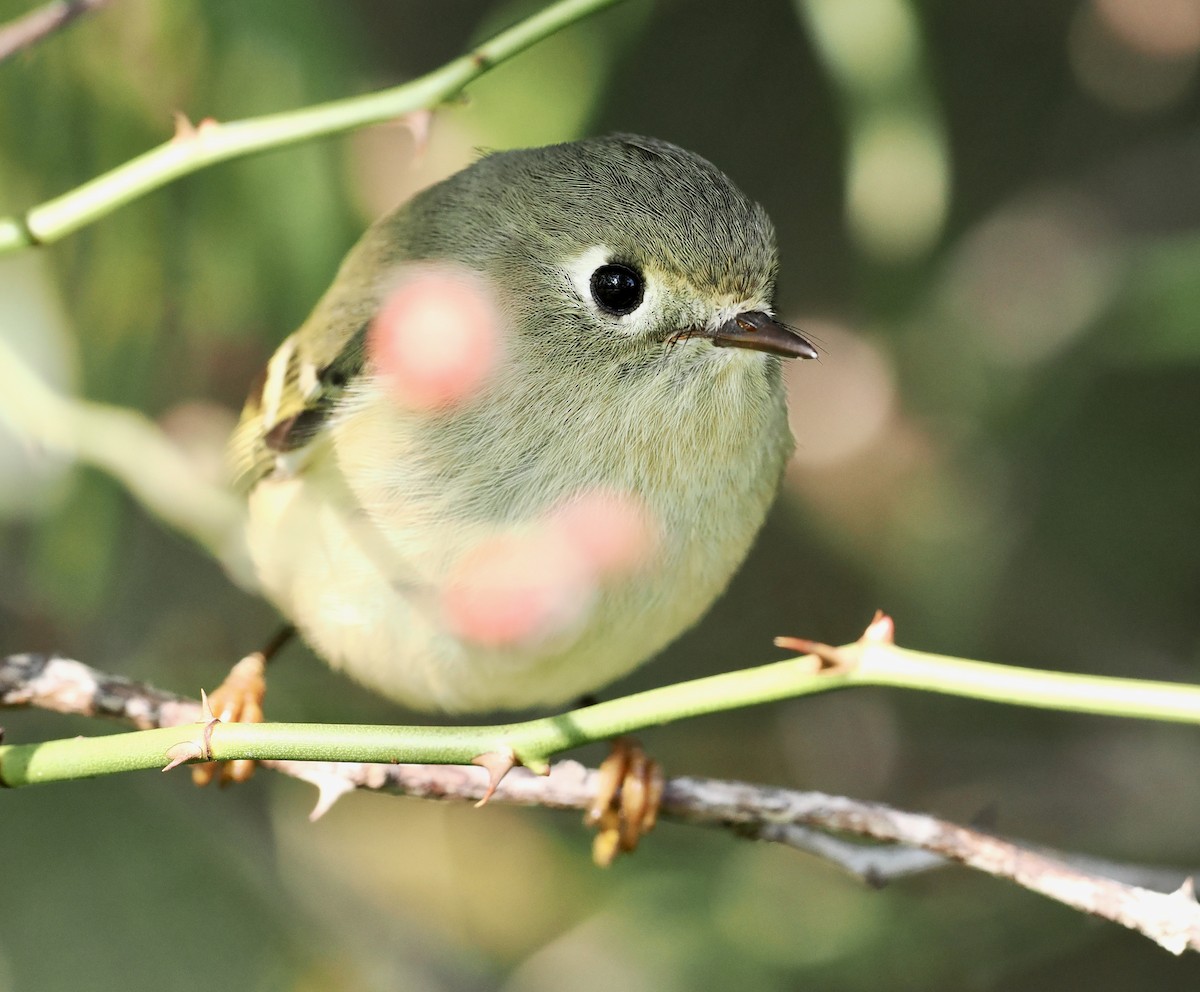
{"x": 357, "y": 548}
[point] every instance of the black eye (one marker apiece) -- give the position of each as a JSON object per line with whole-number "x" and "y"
{"x": 617, "y": 289}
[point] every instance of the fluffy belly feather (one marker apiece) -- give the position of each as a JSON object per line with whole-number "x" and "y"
{"x": 365, "y": 574}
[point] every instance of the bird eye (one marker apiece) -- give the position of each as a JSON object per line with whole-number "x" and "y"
{"x": 617, "y": 289}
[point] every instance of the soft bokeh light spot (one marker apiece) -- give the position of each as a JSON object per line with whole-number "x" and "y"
{"x": 756, "y": 910}
{"x": 1123, "y": 63}
{"x": 840, "y": 409}
{"x": 436, "y": 338}
{"x": 886, "y": 483}
{"x": 353, "y": 853}
{"x": 872, "y": 42}
{"x": 897, "y": 170}
{"x": 34, "y": 327}
{"x": 581, "y": 958}
{"x": 614, "y": 532}
{"x": 538, "y": 581}
{"x": 201, "y": 432}
{"x": 1156, "y": 27}
{"x": 1031, "y": 278}
{"x": 392, "y": 163}
{"x": 898, "y": 185}
{"x": 518, "y": 588}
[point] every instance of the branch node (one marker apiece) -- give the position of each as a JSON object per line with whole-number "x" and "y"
{"x": 536, "y": 763}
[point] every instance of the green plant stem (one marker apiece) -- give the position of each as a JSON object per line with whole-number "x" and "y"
{"x": 210, "y": 143}
{"x": 535, "y": 741}
{"x": 888, "y": 665}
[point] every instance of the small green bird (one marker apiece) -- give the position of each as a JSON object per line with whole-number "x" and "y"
{"x": 453, "y": 549}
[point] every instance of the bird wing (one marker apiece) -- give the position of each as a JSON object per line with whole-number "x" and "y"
{"x": 290, "y": 400}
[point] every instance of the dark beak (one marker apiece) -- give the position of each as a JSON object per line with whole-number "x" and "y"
{"x": 754, "y": 329}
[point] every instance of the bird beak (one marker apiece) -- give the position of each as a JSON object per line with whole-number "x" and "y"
{"x": 754, "y": 329}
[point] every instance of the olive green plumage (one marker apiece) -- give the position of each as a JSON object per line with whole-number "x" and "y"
{"x": 360, "y": 509}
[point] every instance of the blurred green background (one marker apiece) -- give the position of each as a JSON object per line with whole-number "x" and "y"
{"x": 989, "y": 216}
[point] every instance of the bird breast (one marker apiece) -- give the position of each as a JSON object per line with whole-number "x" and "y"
{"x": 384, "y": 553}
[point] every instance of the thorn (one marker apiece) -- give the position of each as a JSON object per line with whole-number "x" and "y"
{"x": 875, "y": 878}
{"x": 185, "y": 130}
{"x": 881, "y": 629}
{"x": 208, "y": 729}
{"x": 330, "y": 789}
{"x": 206, "y": 713}
{"x": 801, "y": 645}
{"x": 419, "y": 124}
{"x": 182, "y": 753}
{"x": 497, "y": 764}
{"x": 805, "y": 648}
{"x": 183, "y": 127}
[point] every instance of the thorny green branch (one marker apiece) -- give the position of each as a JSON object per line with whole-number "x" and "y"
{"x": 209, "y": 142}
{"x": 1171, "y": 918}
{"x": 872, "y": 660}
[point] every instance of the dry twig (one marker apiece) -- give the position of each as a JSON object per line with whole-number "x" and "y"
{"x": 27, "y": 30}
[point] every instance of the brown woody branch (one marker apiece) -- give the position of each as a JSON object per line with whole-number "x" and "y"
{"x": 26, "y": 31}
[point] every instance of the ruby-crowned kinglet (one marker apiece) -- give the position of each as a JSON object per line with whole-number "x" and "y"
{"x": 531, "y": 430}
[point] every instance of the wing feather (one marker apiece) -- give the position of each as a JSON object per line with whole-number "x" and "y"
{"x": 290, "y": 402}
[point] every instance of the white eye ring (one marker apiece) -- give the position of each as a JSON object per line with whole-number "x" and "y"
{"x": 580, "y": 272}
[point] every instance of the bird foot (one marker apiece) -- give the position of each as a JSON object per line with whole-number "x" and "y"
{"x": 239, "y": 699}
{"x": 628, "y": 795}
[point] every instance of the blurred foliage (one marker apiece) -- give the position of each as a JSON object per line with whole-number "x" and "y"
{"x": 1001, "y": 446}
